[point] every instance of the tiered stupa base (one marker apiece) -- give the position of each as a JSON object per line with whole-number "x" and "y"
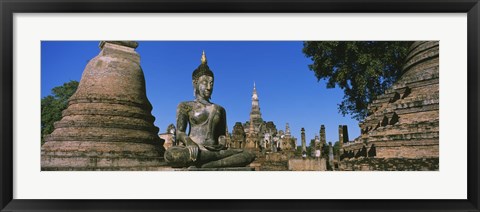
{"x": 403, "y": 123}
{"x": 108, "y": 124}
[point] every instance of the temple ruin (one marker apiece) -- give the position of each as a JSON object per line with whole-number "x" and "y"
{"x": 402, "y": 123}
{"x": 108, "y": 123}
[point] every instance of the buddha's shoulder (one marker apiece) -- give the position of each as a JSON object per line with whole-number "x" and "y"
{"x": 188, "y": 105}
{"x": 219, "y": 107}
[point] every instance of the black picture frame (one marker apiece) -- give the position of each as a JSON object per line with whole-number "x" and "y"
{"x": 9, "y": 7}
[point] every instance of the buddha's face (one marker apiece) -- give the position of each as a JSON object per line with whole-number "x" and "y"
{"x": 204, "y": 87}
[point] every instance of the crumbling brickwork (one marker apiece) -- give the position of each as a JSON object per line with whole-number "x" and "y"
{"x": 404, "y": 121}
{"x": 390, "y": 164}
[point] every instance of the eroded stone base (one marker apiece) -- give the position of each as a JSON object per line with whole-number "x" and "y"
{"x": 219, "y": 169}
{"x": 390, "y": 164}
{"x": 307, "y": 165}
{"x": 90, "y": 156}
{"x": 157, "y": 168}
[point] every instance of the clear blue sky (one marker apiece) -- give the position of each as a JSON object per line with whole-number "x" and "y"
{"x": 287, "y": 89}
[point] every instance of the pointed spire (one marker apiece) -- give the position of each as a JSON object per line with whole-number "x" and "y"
{"x": 254, "y": 95}
{"x": 255, "y": 114}
{"x": 204, "y": 58}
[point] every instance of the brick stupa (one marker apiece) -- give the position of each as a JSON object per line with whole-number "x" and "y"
{"x": 108, "y": 123}
{"x": 404, "y": 121}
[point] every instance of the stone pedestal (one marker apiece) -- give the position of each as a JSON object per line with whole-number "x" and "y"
{"x": 108, "y": 123}
{"x": 221, "y": 169}
{"x": 307, "y": 165}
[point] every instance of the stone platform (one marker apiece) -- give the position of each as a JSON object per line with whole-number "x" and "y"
{"x": 192, "y": 168}
{"x": 221, "y": 169}
{"x": 142, "y": 168}
{"x": 162, "y": 166}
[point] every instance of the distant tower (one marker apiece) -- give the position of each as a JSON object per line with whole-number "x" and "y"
{"x": 345, "y": 134}
{"x": 304, "y": 143}
{"x": 288, "y": 134}
{"x": 255, "y": 115}
{"x": 255, "y": 121}
{"x": 330, "y": 155}
{"x": 342, "y": 134}
{"x": 317, "y": 146}
{"x": 323, "y": 138}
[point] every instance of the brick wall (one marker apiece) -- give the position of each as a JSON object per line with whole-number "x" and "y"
{"x": 307, "y": 165}
{"x": 408, "y": 152}
{"x": 391, "y": 164}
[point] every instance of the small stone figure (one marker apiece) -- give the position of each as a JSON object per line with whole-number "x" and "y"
{"x": 171, "y": 129}
{"x": 275, "y": 144}
{"x": 204, "y": 144}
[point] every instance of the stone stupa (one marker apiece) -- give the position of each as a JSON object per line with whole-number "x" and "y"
{"x": 108, "y": 123}
{"x": 404, "y": 121}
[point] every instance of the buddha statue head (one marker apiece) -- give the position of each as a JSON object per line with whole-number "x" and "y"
{"x": 202, "y": 80}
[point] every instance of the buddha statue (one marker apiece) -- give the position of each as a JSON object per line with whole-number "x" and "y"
{"x": 203, "y": 145}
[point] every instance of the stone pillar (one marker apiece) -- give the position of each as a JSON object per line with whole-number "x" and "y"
{"x": 293, "y": 143}
{"x": 342, "y": 138}
{"x": 340, "y": 134}
{"x": 323, "y": 138}
{"x": 108, "y": 123}
{"x": 345, "y": 134}
{"x": 330, "y": 155}
{"x": 304, "y": 143}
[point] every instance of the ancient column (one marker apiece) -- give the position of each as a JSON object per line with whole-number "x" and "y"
{"x": 342, "y": 137}
{"x": 108, "y": 123}
{"x": 340, "y": 134}
{"x": 304, "y": 143}
{"x": 345, "y": 135}
{"x": 323, "y": 138}
{"x": 330, "y": 155}
{"x": 322, "y": 134}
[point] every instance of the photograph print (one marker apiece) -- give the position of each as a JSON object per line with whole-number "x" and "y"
{"x": 239, "y": 106}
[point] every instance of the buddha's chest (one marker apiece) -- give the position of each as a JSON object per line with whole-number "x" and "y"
{"x": 201, "y": 114}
